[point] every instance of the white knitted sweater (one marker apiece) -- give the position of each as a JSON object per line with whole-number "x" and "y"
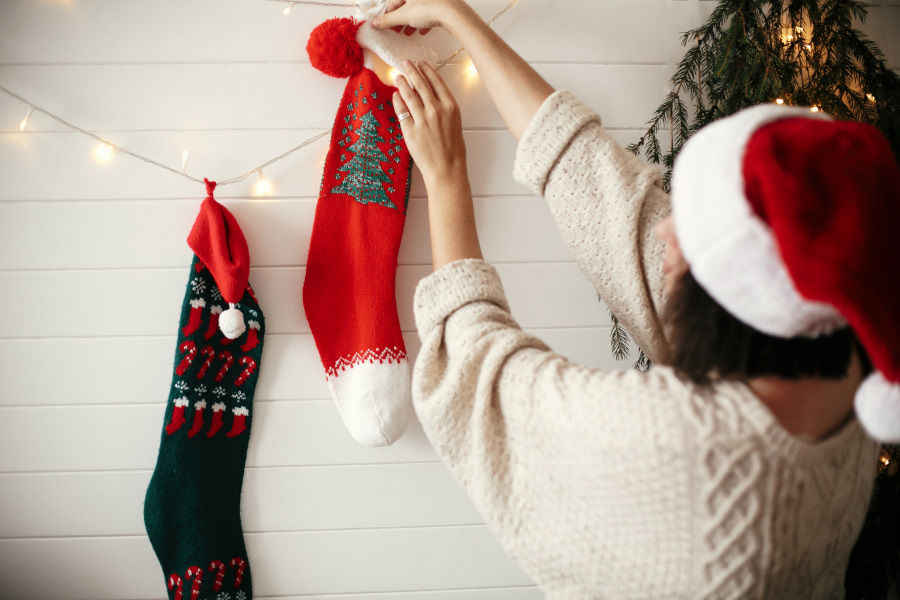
{"x": 616, "y": 484}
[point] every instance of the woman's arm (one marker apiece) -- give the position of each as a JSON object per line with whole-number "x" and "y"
{"x": 516, "y": 89}
{"x": 433, "y": 134}
{"x": 605, "y": 200}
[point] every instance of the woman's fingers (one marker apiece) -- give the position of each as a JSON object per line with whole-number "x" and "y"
{"x": 411, "y": 101}
{"x": 419, "y": 83}
{"x": 401, "y": 109}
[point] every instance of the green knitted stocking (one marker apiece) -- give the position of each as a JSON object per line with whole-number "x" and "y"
{"x": 192, "y": 507}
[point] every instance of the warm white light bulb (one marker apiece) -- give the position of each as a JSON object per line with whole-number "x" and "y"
{"x": 263, "y": 186}
{"x": 870, "y": 97}
{"x": 471, "y": 70}
{"x": 287, "y": 11}
{"x": 103, "y": 152}
{"x": 779, "y": 100}
{"x": 814, "y": 109}
{"x": 25, "y": 120}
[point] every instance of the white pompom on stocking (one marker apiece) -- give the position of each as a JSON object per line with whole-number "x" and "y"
{"x": 231, "y": 322}
{"x": 878, "y": 408}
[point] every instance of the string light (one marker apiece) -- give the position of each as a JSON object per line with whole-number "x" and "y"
{"x": 471, "y": 70}
{"x": 103, "y": 152}
{"x": 287, "y": 10}
{"x": 779, "y": 100}
{"x": 25, "y": 120}
{"x": 871, "y": 98}
{"x": 814, "y": 109}
{"x": 885, "y": 460}
{"x": 263, "y": 186}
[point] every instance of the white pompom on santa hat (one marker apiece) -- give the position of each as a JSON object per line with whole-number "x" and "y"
{"x": 788, "y": 219}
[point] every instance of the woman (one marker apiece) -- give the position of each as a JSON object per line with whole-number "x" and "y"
{"x": 736, "y": 467}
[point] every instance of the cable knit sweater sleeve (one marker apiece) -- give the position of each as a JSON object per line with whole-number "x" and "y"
{"x": 606, "y": 202}
{"x": 577, "y": 471}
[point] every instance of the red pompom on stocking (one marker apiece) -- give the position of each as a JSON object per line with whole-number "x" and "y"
{"x": 350, "y": 274}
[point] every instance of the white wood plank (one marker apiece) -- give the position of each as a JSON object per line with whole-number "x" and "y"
{"x": 139, "y": 370}
{"x": 387, "y": 560}
{"x": 236, "y": 31}
{"x": 273, "y": 500}
{"x": 49, "y": 166}
{"x": 121, "y": 437}
{"x": 129, "y": 98}
{"x": 123, "y": 234}
{"x": 148, "y": 301}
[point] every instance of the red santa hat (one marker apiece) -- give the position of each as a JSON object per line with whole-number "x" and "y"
{"x": 788, "y": 219}
{"x": 217, "y": 240}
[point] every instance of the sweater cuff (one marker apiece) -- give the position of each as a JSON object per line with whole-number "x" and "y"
{"x": 453, "y": 286}
{"x": 556, "y": 122}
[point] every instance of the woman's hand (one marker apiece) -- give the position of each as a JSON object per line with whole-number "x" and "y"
{"x": 433, "y": 131}
{"x": 433, "y": 134}
{"x": 416, "y": 15}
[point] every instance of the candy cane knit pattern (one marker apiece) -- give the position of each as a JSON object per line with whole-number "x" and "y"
{"x": 192, "y": 506}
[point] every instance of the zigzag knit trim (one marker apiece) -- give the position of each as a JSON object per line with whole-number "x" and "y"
{"x": 381, "y": 355}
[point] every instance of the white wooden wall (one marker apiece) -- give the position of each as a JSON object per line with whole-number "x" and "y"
{"x": 93, "y": 264}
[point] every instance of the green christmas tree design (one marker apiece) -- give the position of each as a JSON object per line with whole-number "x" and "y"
{"x": 365, "y": 177}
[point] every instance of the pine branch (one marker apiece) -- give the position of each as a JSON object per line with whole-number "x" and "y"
{"x": 618, "y": 339}
{"x": 642, "y": 364}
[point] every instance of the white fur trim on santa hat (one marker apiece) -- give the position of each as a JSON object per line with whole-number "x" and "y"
{"x": 732, "y": 252}
{"x": 877, "y": 405}
{"x": 393, "y": 48}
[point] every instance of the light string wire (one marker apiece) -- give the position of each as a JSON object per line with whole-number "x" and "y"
{"x": 33, "y": 107}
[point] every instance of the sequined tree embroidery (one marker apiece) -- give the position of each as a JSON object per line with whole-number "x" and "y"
{"x": 365, "y": 177}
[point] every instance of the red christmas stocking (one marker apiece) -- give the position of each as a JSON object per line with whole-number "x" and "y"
{"x": 348, "y": 293}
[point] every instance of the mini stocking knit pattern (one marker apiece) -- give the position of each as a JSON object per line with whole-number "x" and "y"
{"x": 348, "y": 293}
{"x": 192, "y": 505}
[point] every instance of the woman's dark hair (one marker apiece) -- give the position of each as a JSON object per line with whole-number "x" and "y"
{"x": 707, "y": 341}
